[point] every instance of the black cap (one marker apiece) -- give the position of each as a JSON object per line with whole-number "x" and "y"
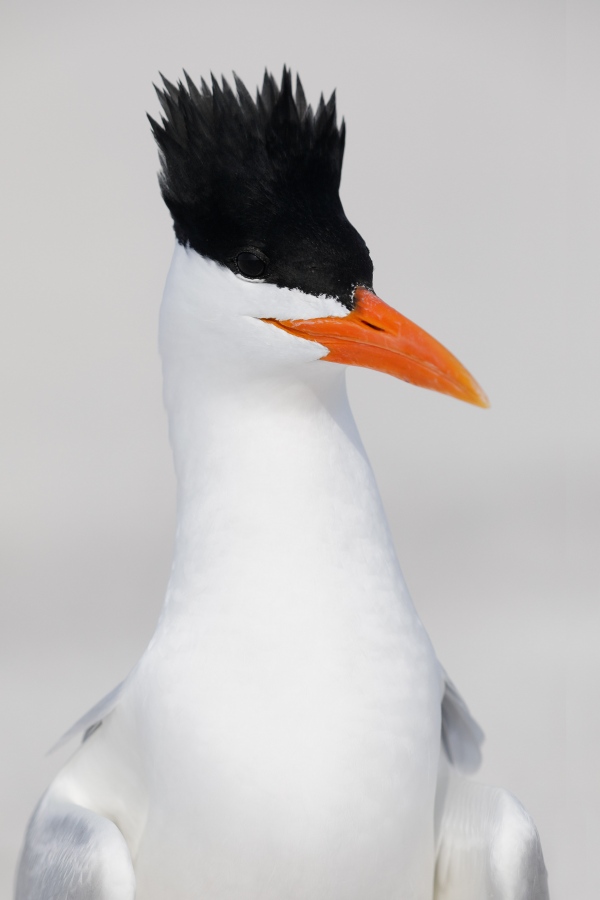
{"x": 254, "y": 184}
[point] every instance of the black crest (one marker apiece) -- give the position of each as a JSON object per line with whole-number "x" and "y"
{"x": 254, "y": 184}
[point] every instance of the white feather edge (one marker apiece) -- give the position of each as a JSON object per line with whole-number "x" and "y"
{"x": 93, "y": 716}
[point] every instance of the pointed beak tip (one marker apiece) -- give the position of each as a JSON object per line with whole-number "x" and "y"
{"x": 483, "y": 402}
{"x": 478, "y": 397}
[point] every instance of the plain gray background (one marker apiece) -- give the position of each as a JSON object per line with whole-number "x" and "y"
{"x": 472, "y": 171}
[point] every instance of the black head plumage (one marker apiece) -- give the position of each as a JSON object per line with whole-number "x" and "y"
{"x": 260, "y": 177}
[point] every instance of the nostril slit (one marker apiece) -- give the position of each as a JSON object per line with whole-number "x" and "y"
{"x": 374, "y": 327}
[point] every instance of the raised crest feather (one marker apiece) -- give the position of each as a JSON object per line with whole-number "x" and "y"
{"x": 264, "y": 173}
{"x": 197, "y": 121}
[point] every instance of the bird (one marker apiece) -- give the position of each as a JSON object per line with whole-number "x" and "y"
{"x": 289, "y": 731}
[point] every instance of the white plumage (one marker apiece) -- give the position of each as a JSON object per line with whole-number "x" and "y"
{"x": 289, "y": 732}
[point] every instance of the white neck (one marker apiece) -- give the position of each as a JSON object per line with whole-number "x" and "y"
{"x": 276, "y": 497}
{"x": 274, "y": 490}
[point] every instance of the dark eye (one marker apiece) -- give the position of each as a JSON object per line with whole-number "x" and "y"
{"x": 250, "y": 265}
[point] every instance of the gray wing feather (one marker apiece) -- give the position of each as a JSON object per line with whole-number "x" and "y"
{"x": 71, "y": 853}
{"x": 488, "y": 845}
{"x": 88, "y": 723}
{"x": 461, "y": 735}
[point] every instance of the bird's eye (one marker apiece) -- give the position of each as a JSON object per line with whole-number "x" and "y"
{"x": 250, "y": 264}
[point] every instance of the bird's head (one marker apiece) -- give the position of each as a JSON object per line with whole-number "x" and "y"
{"x": 268, "y": 271}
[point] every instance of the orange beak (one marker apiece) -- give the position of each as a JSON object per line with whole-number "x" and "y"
{"x": 375, "y": 336}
